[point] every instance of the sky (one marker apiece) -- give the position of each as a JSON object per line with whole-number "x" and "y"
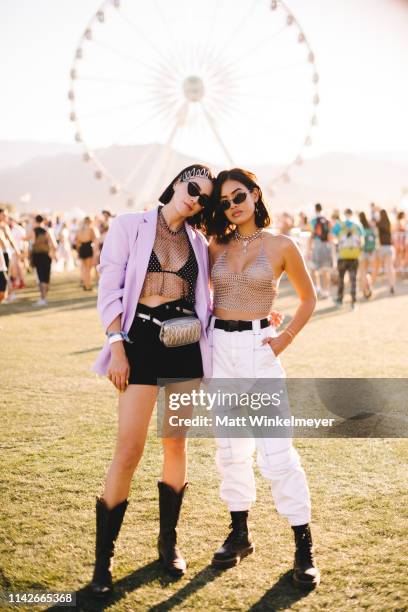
{"x": 361, "y": 50}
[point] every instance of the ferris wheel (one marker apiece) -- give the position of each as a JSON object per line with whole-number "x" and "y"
{"x": 158, "y": 84}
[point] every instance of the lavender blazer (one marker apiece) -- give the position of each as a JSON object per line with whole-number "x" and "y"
{"x": 124, "y": 260}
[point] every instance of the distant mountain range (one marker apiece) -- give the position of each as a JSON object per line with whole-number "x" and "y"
{"x": 54, "y": 176}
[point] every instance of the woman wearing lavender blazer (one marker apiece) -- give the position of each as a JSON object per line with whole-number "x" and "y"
{"x": 154, "y": 265}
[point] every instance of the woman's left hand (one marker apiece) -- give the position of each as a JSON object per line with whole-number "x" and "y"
{"x": 278, "y": 344}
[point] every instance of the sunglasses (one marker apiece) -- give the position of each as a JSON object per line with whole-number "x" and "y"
{"x": 194, "y": 192}
{"x": 238, "y": 199}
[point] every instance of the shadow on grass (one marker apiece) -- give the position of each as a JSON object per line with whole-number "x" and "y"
{"x": 148, "y": 573}
{"x": 207, "y": 575}
{"x": 85, "y": 351}
{"x": 281, "y": 596}
{"x": 140, "y": 577}
{"x": 26, "y": 306}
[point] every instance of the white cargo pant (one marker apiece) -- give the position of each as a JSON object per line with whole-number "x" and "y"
{"x": 242, "y": 355}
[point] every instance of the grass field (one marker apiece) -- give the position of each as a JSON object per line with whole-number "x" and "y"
{"x": 57, "y": 434}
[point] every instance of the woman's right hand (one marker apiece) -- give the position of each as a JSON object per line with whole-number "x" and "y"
{"x": 118, "y": 371}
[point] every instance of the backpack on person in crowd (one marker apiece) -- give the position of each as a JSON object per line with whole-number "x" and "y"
{"x": 321, "y": 229}
{"x": 370, "y": 241}
{"x": 349, "y": 242}
{"x": 41, "y": 243}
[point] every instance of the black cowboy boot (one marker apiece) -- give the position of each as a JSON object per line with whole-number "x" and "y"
{"x": 108, "y": 523}
{"x": 169, "y": 505}
{"x": 305, "y": 572}
{"x": 238, "y": 544}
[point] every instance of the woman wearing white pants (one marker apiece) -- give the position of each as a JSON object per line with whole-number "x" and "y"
{"x": 247, "y": 262}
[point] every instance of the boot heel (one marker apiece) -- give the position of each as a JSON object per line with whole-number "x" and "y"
{"x": 248, "y": 551}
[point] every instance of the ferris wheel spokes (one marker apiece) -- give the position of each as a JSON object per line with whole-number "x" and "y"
{"x": 238, "y": 28}
{"x": 129, "y": 58}
{"x": 166, "y": 59}
{"x": 214, "y": 130}
{"x": 276, "y": 69}
{"x": 257, "y": 47}
{"x": 164, "y": 155}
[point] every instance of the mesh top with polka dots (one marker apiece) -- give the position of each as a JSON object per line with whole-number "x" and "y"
{"x": 173, "y": 270}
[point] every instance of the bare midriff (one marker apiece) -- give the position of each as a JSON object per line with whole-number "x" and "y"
{"x": 238, "y": 315}
{"x": 156, "y": 300}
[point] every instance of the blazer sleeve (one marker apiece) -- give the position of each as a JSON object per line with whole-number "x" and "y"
{"x": 112, "y": 268}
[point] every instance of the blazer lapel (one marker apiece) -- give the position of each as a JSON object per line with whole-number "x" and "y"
{"x": 144, "y": 246}
{"x": 202, "y": 281}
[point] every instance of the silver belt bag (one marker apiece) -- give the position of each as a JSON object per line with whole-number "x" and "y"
{"x": 178, "y": 331}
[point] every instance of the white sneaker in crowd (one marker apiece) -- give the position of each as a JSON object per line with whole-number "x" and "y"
{"x": 10, "y": 298}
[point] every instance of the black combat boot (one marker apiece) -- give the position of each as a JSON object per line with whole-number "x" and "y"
{"x": 305, "y": 572}
{"x": 108, "y": 523}
{"x": 238, "y": 544}
{"x": 169, "y": 506}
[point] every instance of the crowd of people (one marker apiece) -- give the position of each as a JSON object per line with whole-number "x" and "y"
{"x": 45, "y": 244}
{"x": 365, "y": 245}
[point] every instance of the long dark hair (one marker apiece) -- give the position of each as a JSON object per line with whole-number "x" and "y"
{"x": 198, "y": 220}
{"x": 363, "y": 220}
{"x": 384, "y": 222}
{"x": 216, "y": 222}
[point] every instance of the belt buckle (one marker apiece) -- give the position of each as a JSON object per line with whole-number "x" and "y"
{"x": 233, "y": 326}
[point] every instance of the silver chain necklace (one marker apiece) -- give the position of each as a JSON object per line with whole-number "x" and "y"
{"x": 246, "y": 240}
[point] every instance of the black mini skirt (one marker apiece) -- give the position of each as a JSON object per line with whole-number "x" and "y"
{"x": 85, "y": 250}
{"x": 149, "y": 359}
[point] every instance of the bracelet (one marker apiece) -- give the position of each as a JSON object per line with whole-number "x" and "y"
{"x": 290, "y": 333}
{"x": 118, "y": 336}
{"x": 115, "y": 338}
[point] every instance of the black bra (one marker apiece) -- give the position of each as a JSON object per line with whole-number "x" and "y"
{"x": 188, "y": 272}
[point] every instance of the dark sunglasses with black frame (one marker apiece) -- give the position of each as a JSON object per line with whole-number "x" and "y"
{"x": 194, "y": 192}
{"x": 238, "y": 199}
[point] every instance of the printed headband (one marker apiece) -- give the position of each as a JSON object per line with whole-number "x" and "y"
{"x": 194, "y": 173}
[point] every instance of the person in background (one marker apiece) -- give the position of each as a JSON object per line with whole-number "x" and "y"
{"x": 65, "y": 255}
{"x": 17, "y": 270}
{"x": 73, "y": 231}
{"x": 287, "y": 223}
{"x": 349, "y": 239}
{"x": 104, "y": 224}
{"x": 368, "y": 258}
{"x": 304, "y": 225}
{"x": 3, "y": 267}
{"x": 86, "y": 240}
{"x": 386, "y": 250}
{"x": 400, "y": 242}
{"x": 320, "y": 252}
{"x": 8, "y": 245}
{"x": 43, "y": 251}
{"x": 374, "y": 212}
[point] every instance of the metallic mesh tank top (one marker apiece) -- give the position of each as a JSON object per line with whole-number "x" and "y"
{"x": 172, "y": 270}
{"x": 252, "y": 290}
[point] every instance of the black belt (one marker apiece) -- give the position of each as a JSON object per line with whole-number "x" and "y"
{"x": 232, "y": 326}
